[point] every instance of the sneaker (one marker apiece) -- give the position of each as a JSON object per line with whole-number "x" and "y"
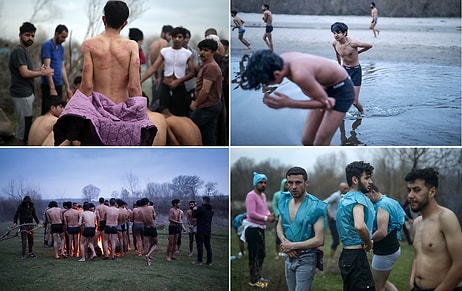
{"x": 32, "y": 255}
{"x": 197, "y": 263}
{"x": 259, "y": 284}
{"x": 264, "y": 280}
{"x": 209, "y": 264}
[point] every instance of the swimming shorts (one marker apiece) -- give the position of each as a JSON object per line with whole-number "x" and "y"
{"x": 355, "y": 73}
{"x": 57, "y": 228}
{"x": 88, "y": 232}
{"x": 415, "y": 288}
{"x": 150, "y": 231}
{"x": 121, "y": 227}
{"x": 110, "y": 230}
{"x": 344, "y": 94}
{"x": 138, "y": 228}
{"x": 241, "y": 29}
{"x": 73, "y": 230}
{"x": 374, "y": 20}
{"x": 173, "y": 229}
{"x": 193, "y": 229}
{"x": 102, "y": 225}
{"x": 269, "y": 28}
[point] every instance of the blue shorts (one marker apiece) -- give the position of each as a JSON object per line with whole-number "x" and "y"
{"x": 241, "y": 29}
{"x": 269, "y": 28}
{"x": 356, "y": 74}
{"x": 344, "y": 94}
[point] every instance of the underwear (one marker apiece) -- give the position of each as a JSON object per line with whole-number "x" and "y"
{"x": 121, "y": 227}
{"x": 173, "y": 229}
{"x": 355, "y": 74}
{"x": 269, "y": 28}
{"x": 150, "y": 231}
{"x": 97, "y": 121}
{"x": 193, "y": 229}
{"x": 110, "y": 230}
{"x": 241, "y": 29}
{"x": 102, "y": 225}
{"x": 374, "y": 20}
{"x": 415, "y": 288}
{"x": 344, "y": 94}
{"x": 73, "y": 230}
{"x": 88, "y": 232}
{"x": 57, "y": 228}
{"x": 138, "y": 228}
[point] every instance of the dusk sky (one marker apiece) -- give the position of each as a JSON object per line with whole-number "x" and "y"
{"x": 62, "y": 173}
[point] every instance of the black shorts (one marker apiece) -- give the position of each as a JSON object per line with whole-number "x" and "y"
{"x": 110, "y": 230}
{"x": 356, "y": 74}
{"x": 89, "y": 232}
{"x": 173, "y": 229}
{"x": 73, "y": 230}
{"x": 355, "y": 270}
{"x": 102, "y": 225}
{"x": 269, "y": 28}
{"x": 150, "y": 231}
{"x": 138, "y": 228}
{"x": 57, "y": 228}
{"x": 344, "y": 94}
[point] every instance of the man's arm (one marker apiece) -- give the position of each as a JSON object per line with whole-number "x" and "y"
{"x": 26, "y": 73}
{"x": 186, "y": 77}
{"x": 361, "y": 227}
{"x": 153, "y": 68}
{"x": 339, "y": 58}
{"x": 361, "y": 46}
{"x": 66, "y": 83}
{"x": 453, "y": 235}
{"x": 86, "y": 87}
{"x": 51, "y": 83}
{"x": 134, "y": 85}
{"x": 314, "y": 242}
{"x": 382, "y": 225}
{"x": 204, "y": 92}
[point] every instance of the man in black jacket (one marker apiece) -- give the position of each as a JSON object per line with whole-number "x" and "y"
{"x": 204, "y": 214}
{"x": 26, "y": 214}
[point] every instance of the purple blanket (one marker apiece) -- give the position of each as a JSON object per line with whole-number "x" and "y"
{"x": 96, "y": 120}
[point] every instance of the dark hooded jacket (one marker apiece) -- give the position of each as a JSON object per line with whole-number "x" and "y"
{"x": 204, "y": 214}
{"x": 26, "y": 212}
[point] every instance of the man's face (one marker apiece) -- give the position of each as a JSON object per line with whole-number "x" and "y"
{"x": 263, "y": 8}
{"x": 373, "y": 196}
{"x": 61, "y": 37}
{"x": 261, "y": 186}
{"x": 57, "y": 110}
{"x": 339, "y": 35}
{"x": 191, "y": 205}
{"x": 206, "y": 54}
{"x": 344, "y": 188}
{"x": 27, "y": 38}
{"x": 419, "y": 194}
{"x": 297, "y": 185}
{"x": 178, "y": 40}
{"x": 364, "y": 183}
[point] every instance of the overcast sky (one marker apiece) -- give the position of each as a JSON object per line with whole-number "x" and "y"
{"x": 197, "y": 16}
{"x": 62, "y": 173}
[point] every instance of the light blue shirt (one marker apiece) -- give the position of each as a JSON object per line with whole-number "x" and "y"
{"x": 309, "y": 211}
{"x": 345, "y": 219}
{"x": 395, "y": 212}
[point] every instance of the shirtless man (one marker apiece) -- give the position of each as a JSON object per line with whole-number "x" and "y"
{"x": 182, "y": 131}
{"x": 43, "y": 125}
{"x": 110, "y": 75}
{"x": 138, "y": 227}
{"x": 122, "y": 226}
{"x": 173, "y": 228}
{"x": 54, "y": 216}
{"x": 110, "y": 231}
{"x": 148, "y": 216}
{"x": 88, "y": 221}
{"x": 192, "y": 223}
{"x": 374, "y": 14}
{"x": 347, "y": 51}
{"x": 100, "y": 212}
{"x": 437, "y": 236}
{"x": 324, "y": 81}
{"x": 239, "y": 24}
{"x": 154, "y": 52}
{"x": 71, "y": 226}
{"x": 268, "y": 20}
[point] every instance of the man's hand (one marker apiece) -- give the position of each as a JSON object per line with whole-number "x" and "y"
{"x": 271, "y": 218}
{"x": 276, "y": 100}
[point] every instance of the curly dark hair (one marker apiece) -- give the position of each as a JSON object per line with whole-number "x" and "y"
{"x": 339, "y": 27}
{"x": 429, "y": 175}
{"x": 355, "y": 169}
{"x": 260, "y": 69}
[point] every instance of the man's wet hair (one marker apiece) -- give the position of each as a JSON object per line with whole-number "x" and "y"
{"x": 167, "y": 29}
{"x": 56, "y": 101}
{"x": 356, "y": 169}
{"x": 233, "y": 12}
{"x": 175, "y": 201}
{"x": 86, "y": 206}
{"x": 27, "y": 27}
{"x": 297, "y": 171}
{"x": 429, "y": 175}
{"x": 135, "y": 34}
{"x": 116, "y": 13}
{"x": 178, "y": 30}
{"x": 61, "y": 28}
{"x": 208, "y": 44}
{"x": 260, "y": 69}
{"x": 266, "y": 6}
{"x": 339, "y": 27}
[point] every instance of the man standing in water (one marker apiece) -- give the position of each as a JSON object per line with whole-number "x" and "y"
{"x": 268, "y": 19}
{"x": 374, "y": 14}
{"x": 437, "y": 236}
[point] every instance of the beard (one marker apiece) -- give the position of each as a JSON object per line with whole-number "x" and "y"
{"x": 363, "y": 188}
{"x": 27, "y": 43}
{"x": 420, "y": 205}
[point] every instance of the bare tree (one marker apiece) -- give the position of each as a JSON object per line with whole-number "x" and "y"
{"x": 90, "y": 192}
{"x": 211, "y": 189}
{"x": 186, "y": 186}
{"x": 17, "y": 189}
{"x": 132, "y": 184}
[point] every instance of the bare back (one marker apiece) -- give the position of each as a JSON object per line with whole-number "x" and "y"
{"x": 111, "y": 66}
{"x": 71, "y": 218}
{"x": 88, "y": 219}
{"x": 41, "y": 128}
{"x": 112, "y": 215}
{"x": 54, "y": 215}
{"x": 183, "y": 131}
{"x": 268, "y": 17}
{"x": 147, "y": 215}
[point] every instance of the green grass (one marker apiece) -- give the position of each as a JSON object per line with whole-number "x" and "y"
{"x": 329, "y": 279}
{"x": 129, "y": 272}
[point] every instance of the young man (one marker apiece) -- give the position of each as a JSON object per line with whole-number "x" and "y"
{"x": 301, "y": 235}
{"x": 26, "y": 214}
{"x": 332, "y": 206}
{"x": 203, "y": 214}
{"x": 355, "y": 217}
{"x": 22, "y": 76}
{"x": 192, "y": 226}
{"x": 52, "y": 55}
{"x": 386, "y": 234}
{"x": 173, "y": 228}
{"x": 254, "y": 226}
{"x": 110, "y": 230}
{"x": 324, "y": 81}
{"x": 207, "y": 106}
{"x": 148, "y": 216}
{"x": 55, "y": 217}
{"x": 374, "y": 14}
{"x": 42, "y": 126}
{"x": 268, "y": 20}
{"x": 72, "y": 229}
{"x": 437, "y": 236}
{"x": 347, "y": 51}
{"x": 239, "y": 24}
{"x": 104, "y": 111}
{"x": 178, "y": 67}
{"x": 88, "y": 221}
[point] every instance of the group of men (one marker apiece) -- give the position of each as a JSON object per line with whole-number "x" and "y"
{"x": 100, "y": 107}
{"x": 365, "y": 220}
{"x": 74, "y": 230}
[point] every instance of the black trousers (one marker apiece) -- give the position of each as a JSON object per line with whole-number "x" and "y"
{"x": 203, "y": 240}
{"x": 255, "y": 238}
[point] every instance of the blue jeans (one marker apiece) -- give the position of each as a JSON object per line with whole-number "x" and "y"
{"x": 206, "y": 119}
{"x": 300, "y": 271}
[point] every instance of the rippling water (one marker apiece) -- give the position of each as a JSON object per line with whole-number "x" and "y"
{"x": 408, "y": 104}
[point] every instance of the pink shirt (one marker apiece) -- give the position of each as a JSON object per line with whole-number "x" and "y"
{"x": 256, "y": 208}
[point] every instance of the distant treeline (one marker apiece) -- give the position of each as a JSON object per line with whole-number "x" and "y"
{"x": 389, "y": 8}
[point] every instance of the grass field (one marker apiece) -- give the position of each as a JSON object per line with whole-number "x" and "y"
{"x": 129, "y": 272}
{"x": 328, "y": 280}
